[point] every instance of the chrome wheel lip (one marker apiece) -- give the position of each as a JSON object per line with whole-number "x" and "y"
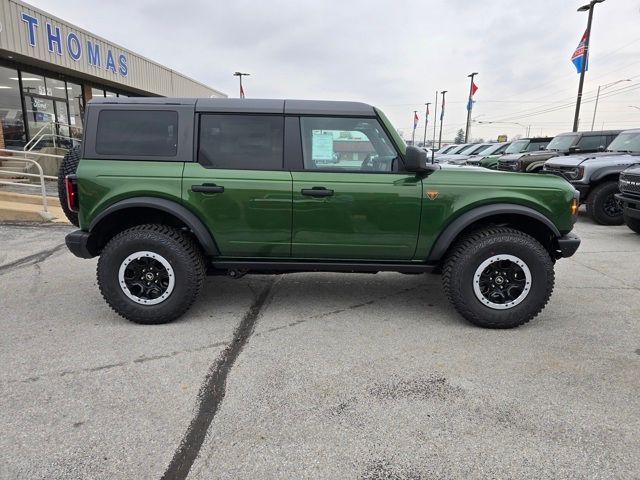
{"x": 499, "y": 258}
{"x": 159, "y": 258}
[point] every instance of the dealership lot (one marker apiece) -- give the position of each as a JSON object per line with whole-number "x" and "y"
{"x": 344, "y": 376}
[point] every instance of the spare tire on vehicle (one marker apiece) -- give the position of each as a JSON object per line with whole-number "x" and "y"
{"x": 68, "y": 166}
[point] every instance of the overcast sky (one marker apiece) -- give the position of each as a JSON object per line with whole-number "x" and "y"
{"x": 392, "y": 54}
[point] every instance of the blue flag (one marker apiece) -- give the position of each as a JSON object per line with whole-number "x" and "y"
{"x": 578, "y": 56}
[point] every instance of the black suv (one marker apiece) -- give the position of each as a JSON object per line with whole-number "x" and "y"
{"x": 518, "y": 148}
{"x": 629, "y": 196}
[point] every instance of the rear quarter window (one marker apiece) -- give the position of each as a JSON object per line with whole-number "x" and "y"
{"x": 137, "y": 133}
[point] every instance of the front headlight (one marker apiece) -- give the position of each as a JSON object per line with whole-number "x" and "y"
{"x": 575, "y": 173}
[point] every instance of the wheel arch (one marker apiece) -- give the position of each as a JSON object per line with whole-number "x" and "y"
{"x": 142, "y": 210}
{"x": 607, "y": 174}
{"x": 521, "y": 217}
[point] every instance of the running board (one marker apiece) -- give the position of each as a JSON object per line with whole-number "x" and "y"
{"x": 352, "y": 267}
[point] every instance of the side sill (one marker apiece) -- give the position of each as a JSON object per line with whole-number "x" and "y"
{"x": 295, "y": 266}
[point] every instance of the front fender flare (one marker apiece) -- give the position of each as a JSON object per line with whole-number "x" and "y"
{"x": 448, "y": 236}
{"x": 187, "y": 217}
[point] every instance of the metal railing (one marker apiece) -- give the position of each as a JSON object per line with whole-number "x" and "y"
{"x": 42, "y": 134}
{"x": 10, "y": 155}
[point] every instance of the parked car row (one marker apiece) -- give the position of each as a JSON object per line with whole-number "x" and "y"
{"x": 591, "y": 161}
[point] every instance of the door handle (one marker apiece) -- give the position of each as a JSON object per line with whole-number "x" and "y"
{"x": 317, "y": 192}
{"x": 207, "y": 188}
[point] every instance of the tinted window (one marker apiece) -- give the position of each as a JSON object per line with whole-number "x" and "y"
{"x": 137, "y": 132}
{"x": 246, "y": 142}
{"x": 536, "y": 145}
{"x": 592, "y": 142}
{"x": 353, "y": 144}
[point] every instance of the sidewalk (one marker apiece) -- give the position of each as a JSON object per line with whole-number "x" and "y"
{"x": 20, "y": 207}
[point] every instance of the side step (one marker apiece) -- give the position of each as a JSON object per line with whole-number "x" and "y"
{"x": 293, "y": 266}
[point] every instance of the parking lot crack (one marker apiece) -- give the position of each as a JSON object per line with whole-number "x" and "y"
{"x": 213, "y": 390}
{"x": 29, "y": 260}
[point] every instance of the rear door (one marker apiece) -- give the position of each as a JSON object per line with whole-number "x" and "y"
{"x": 238, "y": 185}
{"x": 350, "y": 201}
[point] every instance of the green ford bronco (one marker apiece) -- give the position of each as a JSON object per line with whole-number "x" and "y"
{"x": 167, "y": 191}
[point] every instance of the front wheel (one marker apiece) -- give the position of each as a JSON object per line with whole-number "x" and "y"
{"x": 151, "y": 274}
{"x": 603, "y": 207}
{"x": 498, "y": 278}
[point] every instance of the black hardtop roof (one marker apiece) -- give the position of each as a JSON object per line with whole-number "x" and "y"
{"x": 251, "y": 105}
{"x": 589, "y": 133}
{"x": 534, "y": 139}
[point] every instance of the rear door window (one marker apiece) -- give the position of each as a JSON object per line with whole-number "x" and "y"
{"x": 241, "y": 142}
{"x": 592, "y": 142}
{"x": 137, "y": 133}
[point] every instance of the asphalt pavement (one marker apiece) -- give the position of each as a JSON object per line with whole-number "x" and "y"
{"x": 317, "y": 375}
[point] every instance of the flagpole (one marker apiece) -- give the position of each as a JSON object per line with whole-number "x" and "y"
{"x": 469, "y": 107}
{"x": 435, "y": 123}
{"x": 240, "y": 75}
{"x": 585, "y": 59}
{"x": 426, "y": 122}
{"x": 441, "y": 119}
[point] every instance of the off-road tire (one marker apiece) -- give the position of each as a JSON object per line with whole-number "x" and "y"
{"x": 632, "y": 223}
{"x": 68, "y": 166}
{"x": 178, "y": 248}
{"x": 597, "y": 201}
{"x": 466, "y": 256}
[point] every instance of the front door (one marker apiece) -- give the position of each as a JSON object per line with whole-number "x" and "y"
{"x": 238, "y": 186}
{"x": 350, "y": 201}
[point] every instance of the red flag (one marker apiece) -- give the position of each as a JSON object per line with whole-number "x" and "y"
{"x": 415, "y": 120}
{"x": 474, "y": 88}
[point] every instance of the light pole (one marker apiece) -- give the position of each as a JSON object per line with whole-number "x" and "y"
{"x": 240, "y": 75}
{"x": 435, "y": 122}
{"x": 441, "y": 120}
{"x": 469, "y": 106}
{"x": 426, "y": 122}
{"x": 585, "y": 58}
{"x": 595, "y": 108}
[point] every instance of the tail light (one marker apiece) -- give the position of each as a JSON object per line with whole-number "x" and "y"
{"x": 71, "y": 187}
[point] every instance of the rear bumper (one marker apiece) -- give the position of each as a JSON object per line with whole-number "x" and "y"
{"x": 631, "y": 204}
{"x": 568, "y": 244}
{"x": 81, "y": 244}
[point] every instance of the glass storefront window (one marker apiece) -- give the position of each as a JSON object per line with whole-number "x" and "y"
{"x": 97, "y": 92}
{"x": 110, "y": 94}
{"x": 76, "y": 109}
{"x": 33, "y": 84}
{"x": 56, "y": 88}
{"x": 12, "y": 131}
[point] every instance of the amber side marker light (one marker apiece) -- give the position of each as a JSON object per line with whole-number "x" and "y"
{"x": 574, "y": 207}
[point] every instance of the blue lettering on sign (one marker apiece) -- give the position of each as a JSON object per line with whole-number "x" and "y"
{"x": 51, "y": 39}
{"x": 93, "y": 52}
{"x": 111, "y": 64}
{"x": 32, "y": 23}
{"x": 73, "y": 46}
{"x": 122, "y": 61}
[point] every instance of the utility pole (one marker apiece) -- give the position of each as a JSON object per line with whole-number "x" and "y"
{"x": 585, "y": 58}
{"x": 469, "y": 107}
{"x": 240, "y": 75}
{"x": 595, "y": 108}
{"x": 441, "y": 120}
{"x": 426, "y": 122}
{"x": 435, "y": 122}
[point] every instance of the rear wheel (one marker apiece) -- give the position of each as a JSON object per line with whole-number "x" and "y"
{"x": 68, "y": 166}
{"x": 603, "y": 207}
{"x": 151, "y": 274}
{"x": 632, "y": 223}
{"x": 498, "y": 277}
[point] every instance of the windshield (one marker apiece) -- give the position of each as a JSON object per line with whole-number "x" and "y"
{"x": 517, "y": 147}
{"x": 626, "y": 142}
{"x": 467, "y": 150}
{"x": 561, "y": 143}
{"x": 446, "y": 149}
{"x": 457, "y": 149}
{"x": 489, "y": 150}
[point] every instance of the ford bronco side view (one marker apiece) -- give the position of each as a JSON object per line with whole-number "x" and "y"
{"x": 169, "y": 190}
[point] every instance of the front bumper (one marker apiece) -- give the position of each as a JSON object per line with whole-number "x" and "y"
{"x": 631, "y": 204}
{"x": 81, "y": 244}
{"x": 568, "y": 244}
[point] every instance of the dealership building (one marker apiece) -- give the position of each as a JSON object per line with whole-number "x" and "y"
{"x": 50, "y": 69}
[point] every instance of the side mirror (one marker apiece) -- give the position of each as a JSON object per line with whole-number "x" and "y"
{"x": 602, "y": 148}
{"x": 574, "y": 149}
{"x": 415, "y": 160}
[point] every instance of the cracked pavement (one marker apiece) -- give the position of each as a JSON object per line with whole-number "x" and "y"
{"x": 317, "y": 375}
